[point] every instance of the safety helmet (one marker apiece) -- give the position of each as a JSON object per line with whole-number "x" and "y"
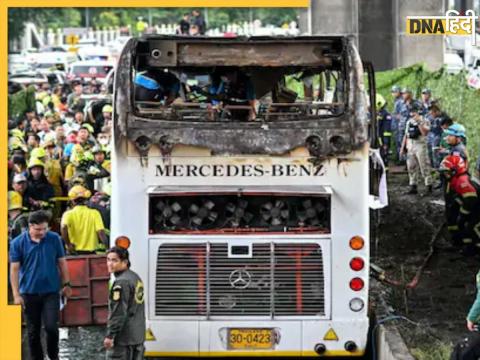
{"x": 457, "y": 130}
{"x": 454, "y": 165}
{"x": 17, "y": 144}
{"x": 107, "y": 108}
{"x": 396, "y": 88}
{"x": 79, "y": 191}
{"x": 38, "y": 153}
{"x": 88, "y": 127}
{"x": 45, "y": 101}
{"x": 15, "y": 200}
{"x": 35, "y": 162}
{"x": 17, "y": 133}
{"x": 380, "y": 101}
{"x": 97, "y": 149}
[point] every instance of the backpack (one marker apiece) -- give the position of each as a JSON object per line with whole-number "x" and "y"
{"x": 467, "y": 348}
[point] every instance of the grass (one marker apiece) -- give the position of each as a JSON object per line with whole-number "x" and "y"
{"x": 437, "y": 351}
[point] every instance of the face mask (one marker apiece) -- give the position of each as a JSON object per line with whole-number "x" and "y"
{"x": 103, "y": 141}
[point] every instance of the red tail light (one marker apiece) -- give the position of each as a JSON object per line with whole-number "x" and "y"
{"x": 356, "y": 284}
{"x": 357, "y": 264}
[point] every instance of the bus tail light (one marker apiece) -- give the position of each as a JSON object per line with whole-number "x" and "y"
{"x": 357, "y": 264}
{"x": 357, "y": 243}
{"x": 356, "y": 304}
{"x": 356, "y": 284}
{"x": 123, "y": 242}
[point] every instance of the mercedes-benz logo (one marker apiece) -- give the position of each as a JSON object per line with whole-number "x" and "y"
{"x": 240, "y": 278}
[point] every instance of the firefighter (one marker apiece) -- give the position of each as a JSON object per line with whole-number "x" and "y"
{"x": 39, "y": 191}
{"x": 384, "y": 123}
{"x": 462, "y": 203}
{"x": 126, "y": 309}
{"x": 415, "y": 144}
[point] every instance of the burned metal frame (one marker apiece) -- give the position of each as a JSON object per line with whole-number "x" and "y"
{"x": 329, "y": 136}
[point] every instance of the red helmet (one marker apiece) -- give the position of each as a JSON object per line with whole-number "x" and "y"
{"x": 454, "y": 164}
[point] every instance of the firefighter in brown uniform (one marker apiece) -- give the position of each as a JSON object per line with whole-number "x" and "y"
{"x": 126, "y": 309}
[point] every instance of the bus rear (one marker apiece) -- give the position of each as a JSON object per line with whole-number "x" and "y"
{"x": 248, "y": 217}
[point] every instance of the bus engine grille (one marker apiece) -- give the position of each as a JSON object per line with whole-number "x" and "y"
{"x": 276, "y": 280}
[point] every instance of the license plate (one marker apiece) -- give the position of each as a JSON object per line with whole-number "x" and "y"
{"x": 250, "y": 339}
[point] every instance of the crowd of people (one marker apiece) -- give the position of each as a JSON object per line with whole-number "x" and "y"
{"x": 433, "y": 145}
{"x": 59, "y": 162}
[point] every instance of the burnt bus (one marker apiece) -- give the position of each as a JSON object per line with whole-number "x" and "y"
{"x": 241, "y": 178}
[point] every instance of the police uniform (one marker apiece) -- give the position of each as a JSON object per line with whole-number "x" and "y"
{"x": 417, "y": 153}
{"x": 126, "y": 317}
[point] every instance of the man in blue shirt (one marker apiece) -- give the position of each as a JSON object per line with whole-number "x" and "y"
{"x": 37, "y": 270}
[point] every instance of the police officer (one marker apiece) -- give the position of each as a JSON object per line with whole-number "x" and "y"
{"x": 126, "y": 309}
{"x": 426, "y": 99}
{"x": 397, "y": 107}
{"x": 405, "y": 110}
{"x": 435, "y": 116}
{"x": 384, "y": 122}
{"x": 414, "y": 142}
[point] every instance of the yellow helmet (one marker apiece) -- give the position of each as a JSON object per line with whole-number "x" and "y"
{"x": 35, "y": 162}
{"x": 78, "y": 191}
{"x": 17, "y": 133}
{"x": 107, "y": 108}
{"x": 15, "y": 200}
{"x": 379, "y": 101}
{"x": 38, "y": 153}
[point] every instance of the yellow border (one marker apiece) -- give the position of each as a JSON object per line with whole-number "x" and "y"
{"x": 10, "y": 324}
{"x": 251, "y": 353}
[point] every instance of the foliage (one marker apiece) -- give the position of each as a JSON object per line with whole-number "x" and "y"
{"x": 455, "y": 97}
{"x": 438, "y": 351}
{"x": 107, "y": 17}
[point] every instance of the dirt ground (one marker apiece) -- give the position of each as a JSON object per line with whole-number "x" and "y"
{"x": 446, "y": 289}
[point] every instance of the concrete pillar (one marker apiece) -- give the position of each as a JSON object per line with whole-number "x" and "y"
{"x": 417, "y": 49}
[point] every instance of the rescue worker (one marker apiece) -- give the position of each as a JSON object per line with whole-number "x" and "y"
{"x": 141, "y": 26}
{"x": 397, "y": 108}
{"x": 156, "y": 86}
{"x": 462, "y": 203}
{"x": 81, "y": 227}
{"x": 17, "y": 217}
{"x": 126, "y": 309}
{"x": 100, "y": 169}
{"x": 39, "y": 191}
{"x": 384, "y": 123}
{"x": 455, "y": 137}
{"x": 19, "y": 185}
{"x": 415, "y": 144}
{"x": 74, "y": 100}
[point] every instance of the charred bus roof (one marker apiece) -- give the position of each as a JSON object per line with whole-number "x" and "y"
{"x": 306, "y": 91}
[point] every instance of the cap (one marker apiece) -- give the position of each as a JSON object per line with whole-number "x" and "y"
{"x": 406, "y": 90}
{"x": 416, "y": 108}
{"x": 78, "y": 191}
{"x": 396, "y": 88}
{"x": 19, "y": 178}
{"x": 426, "y": 91}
